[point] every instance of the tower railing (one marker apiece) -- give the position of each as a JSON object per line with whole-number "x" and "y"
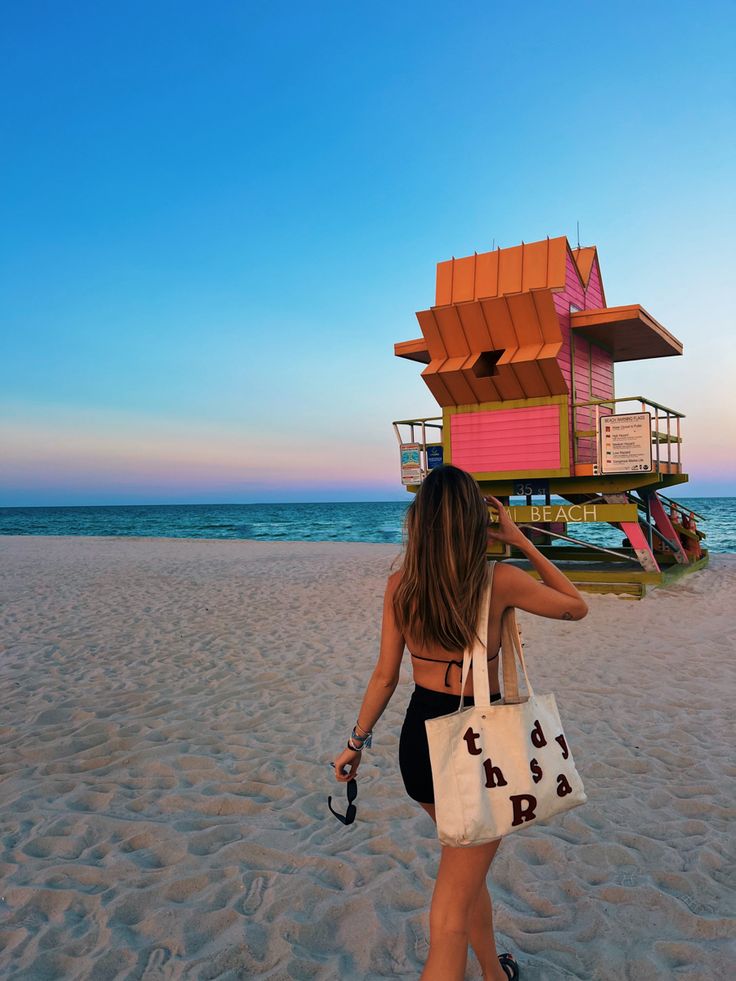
{"x": 421, "y": 432}
{"x": 664, "y": 425}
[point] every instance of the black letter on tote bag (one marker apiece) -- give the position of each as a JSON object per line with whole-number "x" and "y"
{"x": 524, "y": 805}
{"x": 538, "y": 739}
{"x": 494, "y": 776}
{"x": 469, "y": 736}
{"x": 563, "y": 786}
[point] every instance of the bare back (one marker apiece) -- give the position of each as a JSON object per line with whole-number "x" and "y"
{"x": 445, "y": 675}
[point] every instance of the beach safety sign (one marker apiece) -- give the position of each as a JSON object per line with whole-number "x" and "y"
{"x": 411, "y": 463}
{"x": 626, "y": 443}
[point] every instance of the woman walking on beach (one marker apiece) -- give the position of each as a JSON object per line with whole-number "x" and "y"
{"x": 431, "y": 607}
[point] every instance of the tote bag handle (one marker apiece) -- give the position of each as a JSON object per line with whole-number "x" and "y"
{"x": 477, "y": 653}
{"x": 511, "y": 648}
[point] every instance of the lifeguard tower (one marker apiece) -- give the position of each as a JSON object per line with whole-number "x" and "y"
{"x": 519, "y": 350}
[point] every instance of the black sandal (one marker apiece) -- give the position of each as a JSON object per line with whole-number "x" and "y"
{"x": 510, "y": 966}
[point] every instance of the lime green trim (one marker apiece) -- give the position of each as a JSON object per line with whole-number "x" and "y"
{"x": 519, "y": 474}
{"x": 452, "y": 410}
{"x": 446, "y": 448}
{"x": 564, "y": 436}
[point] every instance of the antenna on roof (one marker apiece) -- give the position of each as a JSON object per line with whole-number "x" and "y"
{"x": 578, "y": 224}
{"x": 494, "y": 244}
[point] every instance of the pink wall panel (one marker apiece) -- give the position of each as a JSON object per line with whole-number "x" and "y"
{"x": 602, "y": 372}
{"x": 593, "y": 365}
{"x": 602, "y": 388}
{"x": 585, "y": 416}
{"x": 594, "y": 292}
{"x": 506, "y": 439}
{"x": 562, "y": 306}
{"x": 573, "y": 287}
{"x": 572, "y": 293}
{"x": 582, "y": 369}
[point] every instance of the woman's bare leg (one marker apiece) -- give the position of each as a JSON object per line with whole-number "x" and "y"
{"x": 462, "y": 913}
{"x": 482, "y": 938}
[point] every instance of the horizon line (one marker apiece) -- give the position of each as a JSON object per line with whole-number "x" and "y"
{"x": 200, "y": 504}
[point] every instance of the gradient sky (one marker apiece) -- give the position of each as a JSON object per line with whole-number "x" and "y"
{"x": 218, "y": 218}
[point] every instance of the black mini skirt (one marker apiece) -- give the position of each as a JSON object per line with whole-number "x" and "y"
{"x": 414, "y": 763}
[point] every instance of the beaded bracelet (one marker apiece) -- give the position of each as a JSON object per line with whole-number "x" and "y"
{"x": 364, "y": 742}
{"x": 357, "y": 743}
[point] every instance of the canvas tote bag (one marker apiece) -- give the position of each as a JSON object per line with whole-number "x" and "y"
{"x": 498, "y": 767}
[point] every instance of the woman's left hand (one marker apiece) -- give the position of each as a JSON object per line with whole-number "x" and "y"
{"x": 348, "y": 758}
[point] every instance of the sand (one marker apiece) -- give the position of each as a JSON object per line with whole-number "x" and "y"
{"x": 168, "y": 709}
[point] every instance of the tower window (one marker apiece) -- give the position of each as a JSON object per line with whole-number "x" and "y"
{"x": 487, "y": 364}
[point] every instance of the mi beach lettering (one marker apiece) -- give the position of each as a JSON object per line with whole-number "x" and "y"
{"x": 554, "y": 513}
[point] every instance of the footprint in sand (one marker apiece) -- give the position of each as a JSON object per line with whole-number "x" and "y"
{"x": 628, "y": 875}
{"x": 695, "y": 906}
{"x": 418, "y": 941}
{"x": 253, "y": 898}
{"x": 210, "y": 841}
{"x": 157, "y": 966}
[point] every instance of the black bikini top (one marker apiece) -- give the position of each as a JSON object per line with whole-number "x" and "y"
{"x": 449, "y": 664}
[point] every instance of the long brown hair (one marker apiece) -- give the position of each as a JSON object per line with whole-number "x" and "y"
{"x": 444, "y": 570}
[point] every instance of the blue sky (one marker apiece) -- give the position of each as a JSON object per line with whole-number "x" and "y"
{"x": 218, "y": 220}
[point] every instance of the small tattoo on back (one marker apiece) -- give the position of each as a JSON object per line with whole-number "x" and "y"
{"x": 566, "y": 616}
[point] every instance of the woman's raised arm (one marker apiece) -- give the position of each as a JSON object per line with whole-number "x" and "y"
{"x": 555, "y": 597}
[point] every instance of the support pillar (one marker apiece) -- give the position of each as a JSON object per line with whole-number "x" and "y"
{"x": 645, "y": 555}
{"x": 663, "y": 523}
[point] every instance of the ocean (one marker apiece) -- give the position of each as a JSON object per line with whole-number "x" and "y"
{"x": 366, "y": 522}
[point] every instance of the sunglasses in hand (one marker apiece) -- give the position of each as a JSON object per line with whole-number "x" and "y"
{"x": 349, "y": 816}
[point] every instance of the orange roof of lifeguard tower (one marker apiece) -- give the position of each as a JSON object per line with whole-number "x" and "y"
{"x": 494, "y": 332}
